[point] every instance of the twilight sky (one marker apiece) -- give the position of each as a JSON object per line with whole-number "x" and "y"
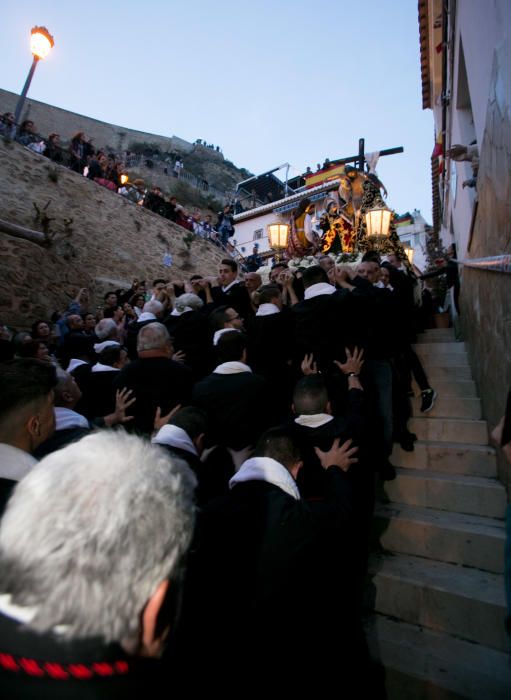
{"x": 269, "y": 82}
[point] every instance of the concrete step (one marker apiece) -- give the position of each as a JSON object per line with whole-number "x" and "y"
{"x": 427, "y": 665}
{"x": 472, "y": 495}
{"x": 471, "y": 432}
{"x": 451, "y": 347}
{"x": 455, "y": 600}
{"x": 442, "y": 359}
{"x": 453, "y": 373}
{"x": 437, "y": 335}
{"x": 450, "y": 407}
{"x": 462, "y": 388}
{"x": 450, "y": 457}
{"x": 469, "y": 540}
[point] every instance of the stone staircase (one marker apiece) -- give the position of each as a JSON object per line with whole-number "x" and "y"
{"x": 437, "y": 583}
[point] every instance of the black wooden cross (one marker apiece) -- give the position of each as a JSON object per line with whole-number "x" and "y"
{"x": 360, "y": 160}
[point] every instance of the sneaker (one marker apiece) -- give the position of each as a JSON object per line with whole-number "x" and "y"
{"x": 428, "y": 400}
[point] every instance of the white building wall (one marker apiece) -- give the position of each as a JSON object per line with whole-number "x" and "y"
{"x": 480, "y": 28}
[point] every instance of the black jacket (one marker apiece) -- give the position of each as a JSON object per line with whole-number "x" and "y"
{"x": 155, "y": 382}
{"x": 238, "y": 407}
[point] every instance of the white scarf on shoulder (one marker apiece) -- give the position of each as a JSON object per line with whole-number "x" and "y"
{"x": 318, "y": 289}
{"x": 267, "y": 310}
{"x": 233, "y": 367}
{"x": 269, "y": 470}
{"x": 67, "y": 418}
{"x": 313, "y": 421}
{"x": 173, "y": 436}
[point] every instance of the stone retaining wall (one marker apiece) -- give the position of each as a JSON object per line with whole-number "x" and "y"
{"x": 100, "y": 240}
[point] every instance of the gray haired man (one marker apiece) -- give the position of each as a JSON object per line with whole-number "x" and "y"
{"x": 91, "y": 548}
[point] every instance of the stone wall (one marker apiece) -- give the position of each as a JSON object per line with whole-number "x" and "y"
{"x": 100, "y": 240}
{"x": 48, "y": 118}
{"x": 486, "y": 296}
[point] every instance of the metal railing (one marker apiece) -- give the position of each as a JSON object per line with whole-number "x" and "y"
{"x": 493, "y": 263}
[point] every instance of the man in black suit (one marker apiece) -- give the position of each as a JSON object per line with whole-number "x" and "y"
{"x": 325, "y": 322}
{"x": 235, "y": 400}
{"x": 157, "y": 381}
{"x": 152, "y": 311}
{"x": 267, "y": 582}
{"x": 230, "y": 292}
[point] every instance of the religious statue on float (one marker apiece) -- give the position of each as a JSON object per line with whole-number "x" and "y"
{"x": 303, "y": 240}
{"x": 342, "y": 223}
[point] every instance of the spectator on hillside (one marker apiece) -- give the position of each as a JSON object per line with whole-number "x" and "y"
{"x": 54, "y": 149}
{"x": 154, "y": 201}
{"x": 27, "y": 133}
{"x": 225, "y": 224}
{"x": 206, "y": 227}
{"x": 77, "y": 151}
{"x": 178, "y": 167}
{"x": 7, "y": 125}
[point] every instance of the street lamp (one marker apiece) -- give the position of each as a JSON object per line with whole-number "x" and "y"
{"x": 378, "y": 222}
{"x": 41, "y": 43}
{"x": 278, "y": 235}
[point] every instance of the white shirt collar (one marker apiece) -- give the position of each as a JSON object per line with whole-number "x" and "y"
{"x": 147, "y": 316}
{"x": 98, "y": 347}
{"x": 233, "y": 367}
{"x": 74, "y": 363}
{"x": 14, "y": 463}
{"x": 269, "y": 470}
{"x": 99, "y": 367}
{"x": 218, "y": 334}
{"x": 225, "y": 289}
{"x": 267, "y": 310}
{"x": 318, "y": 289}
{"x": 175, "y": 437}
{"x": 313, "y": 421}
{"x": 67, "y": 418}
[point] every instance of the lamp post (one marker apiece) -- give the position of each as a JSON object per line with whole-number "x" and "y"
{"x": 278, "y": 235}
{"x": 41, "y": 43}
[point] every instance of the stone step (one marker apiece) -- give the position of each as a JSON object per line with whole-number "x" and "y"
{"x": 451, "y": 374}
{"x": 450, "y": 407}
{"x": 450, "y": 457}
{"x": 469, "y": 540}
{"x": 473, "y": 495}
{"x": 426, "y": 665}
{"x": 462, "y": 388}
{"x": 443, "y": 359}
{"x": 437, "y": 335}
{"x": 448, "y": 598}
{"x": 453, "y": 347}
{"x": 472, "y": 432}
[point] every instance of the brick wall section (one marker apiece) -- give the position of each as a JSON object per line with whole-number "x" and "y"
{"x": 486, "y": 296}
{"x": 111, "y": 241}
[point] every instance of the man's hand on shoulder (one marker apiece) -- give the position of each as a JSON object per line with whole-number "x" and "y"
{"x": 338, "y": 456}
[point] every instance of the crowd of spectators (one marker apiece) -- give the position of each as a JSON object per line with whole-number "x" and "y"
{"x": 109, "y": 170}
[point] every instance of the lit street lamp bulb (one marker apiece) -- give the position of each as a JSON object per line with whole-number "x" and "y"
{"x": 41, "y": 42}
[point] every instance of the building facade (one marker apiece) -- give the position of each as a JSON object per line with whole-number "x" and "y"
{"x": 466, "y": 82}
